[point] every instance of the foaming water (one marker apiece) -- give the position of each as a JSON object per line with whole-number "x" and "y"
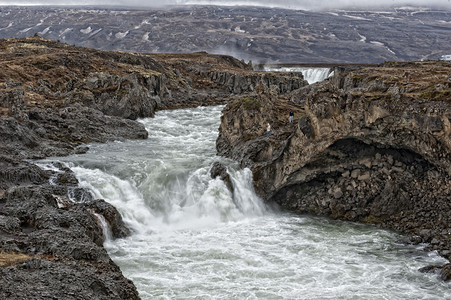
{"x": 194, "y": 239}
{"x": 107, "y": 235}
{"x": 312, "y": 75}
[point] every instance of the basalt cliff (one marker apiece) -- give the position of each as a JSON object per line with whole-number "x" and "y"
{"x": 371, "y": 144}
{"x": 54, "y": 99}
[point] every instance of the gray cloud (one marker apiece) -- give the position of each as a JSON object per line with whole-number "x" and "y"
{"x": 292, "y": 4}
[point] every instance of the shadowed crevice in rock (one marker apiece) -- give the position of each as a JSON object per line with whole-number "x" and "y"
{"x": 366, "y": 145}
{"x": 112, "y": 216}
{"x": 356, "y": 181}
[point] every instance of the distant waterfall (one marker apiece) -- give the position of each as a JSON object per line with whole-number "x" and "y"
{"x": 312, "y": 75}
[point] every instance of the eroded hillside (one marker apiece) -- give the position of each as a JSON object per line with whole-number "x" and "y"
{"x": 253, "y": 33}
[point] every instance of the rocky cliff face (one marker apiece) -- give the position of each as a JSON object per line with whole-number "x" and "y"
{"x": 54, "y": 98}
{"x": 370, "y": 145}
{"x": 51, "y": 92}
{"x": 51, "y": 240}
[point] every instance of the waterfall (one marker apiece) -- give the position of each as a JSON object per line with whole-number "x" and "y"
{"x": 107, "y": 235}
{"x": 164, "y": 182}
{"x": 193, "y": 237}
{"x": 244, "y": 195}
{"x": 312, "y": 75}
{"x": 195, "y": 201}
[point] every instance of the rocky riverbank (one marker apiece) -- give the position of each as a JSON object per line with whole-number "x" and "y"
{"x": 370, "y": 145}
{"x": 55, "y": 98}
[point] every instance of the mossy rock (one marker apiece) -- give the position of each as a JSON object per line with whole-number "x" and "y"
{"x": 437, "y": 95}
{"x": 251, "y": 104}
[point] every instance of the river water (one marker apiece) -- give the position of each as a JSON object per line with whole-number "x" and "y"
{"x": 193, "y": 239}
{"x": 312, "y": 75}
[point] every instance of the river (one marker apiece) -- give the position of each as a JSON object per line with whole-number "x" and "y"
{"x": 193, "y": 239}
{"x": 312, "y": 75}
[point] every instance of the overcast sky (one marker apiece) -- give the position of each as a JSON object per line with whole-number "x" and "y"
{"x": 294, "y": 4}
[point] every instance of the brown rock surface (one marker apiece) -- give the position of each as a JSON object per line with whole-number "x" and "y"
{"x": 53, "y": 99}
{"x": 370, "y": 145}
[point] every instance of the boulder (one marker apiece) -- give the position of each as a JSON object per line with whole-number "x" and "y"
{"x": 112, "y": 216}
{"x": 219, "y": 170}
{"x": 445, "y": 272}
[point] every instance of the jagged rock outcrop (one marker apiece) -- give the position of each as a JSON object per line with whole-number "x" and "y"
{"x": 245, "y": 83}
{"x": 372, "y": 145}
{"x": 125, "y": 85}
{"x": 210, "y": 79}
{"x": 219, "y": 170}
{"x": 112, "y": 216}
{"x": 38, "y": 133}
{"x": 54, "y": 98}
{"x": 61, "y": 238}
{"x": 57, "y": 75}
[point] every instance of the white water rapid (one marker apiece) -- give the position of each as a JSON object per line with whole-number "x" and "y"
{"x": 193, "y": 240}
{"x": 312, "y": 75}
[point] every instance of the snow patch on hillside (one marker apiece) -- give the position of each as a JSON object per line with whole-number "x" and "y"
{"x": 238, "y": 29}
{"x": 362, "y": 38}
{"x": 44, "y": 31}
{"x": 145, "y": 22}
{"x": 382, "y": 45}
{"x": 26, "y": 30}
{"x": 9, "y": 25}
{"x": 63, "y": 32}
{"x": 95, "y": 32}
{"x": 121, "y": 35}
{"x": 356, "y": 18}
{"x": 86, "y": 30}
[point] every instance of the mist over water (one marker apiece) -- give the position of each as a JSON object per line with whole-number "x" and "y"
{"x": 312, "y": 75}
{"x": 193, "y": 239}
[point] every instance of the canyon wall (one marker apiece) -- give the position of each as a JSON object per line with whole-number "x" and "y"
{"x": 370, "y": 145}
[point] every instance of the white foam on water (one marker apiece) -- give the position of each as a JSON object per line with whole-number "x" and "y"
{"x": 312, "y": 75}
{"x": 106, "y": 230}
{"x": 194, "y": 239}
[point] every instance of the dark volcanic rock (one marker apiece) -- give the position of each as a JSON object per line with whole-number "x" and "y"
{"x": 369, "y": 146}
{"x": 220, "y": 170}
{"x": 51, "y": 234}
{"x": 48, "y": 277}
{"x": 45, "y": 133}
{"x": 63, "y": 240}
{"x": 14, "y": 173}
{"x": 112, "y": 216}
{"x": 445, "y": 272}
